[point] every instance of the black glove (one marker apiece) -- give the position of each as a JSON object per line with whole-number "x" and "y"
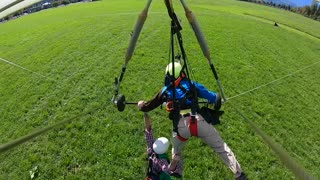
{"x": 211, "y": 115}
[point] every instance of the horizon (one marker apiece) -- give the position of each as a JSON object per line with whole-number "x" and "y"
{"x": 294, "y": 3}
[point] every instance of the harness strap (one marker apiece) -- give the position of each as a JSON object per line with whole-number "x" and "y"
{"x": 177, "y": 81}
{"x": 181, "y": 138}
{"x": 193, "y": 127}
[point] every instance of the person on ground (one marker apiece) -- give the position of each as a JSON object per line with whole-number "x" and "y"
{"x": 158, "y": 160}
{"x": 180, "y": 95}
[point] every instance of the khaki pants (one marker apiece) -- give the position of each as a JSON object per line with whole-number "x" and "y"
{"x": 208, "y": 134}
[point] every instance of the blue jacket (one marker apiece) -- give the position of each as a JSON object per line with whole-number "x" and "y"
{"x": 166, "y": 93}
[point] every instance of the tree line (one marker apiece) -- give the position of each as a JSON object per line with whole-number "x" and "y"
{"x": 312, "y": 11}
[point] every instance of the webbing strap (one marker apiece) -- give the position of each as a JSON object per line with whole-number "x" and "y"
{"x": 181, "y": 138}
{"x": 193, "y": 127}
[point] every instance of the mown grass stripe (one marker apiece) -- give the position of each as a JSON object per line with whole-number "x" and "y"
{"x": 7, "y": 146}
{"x": 271, "y": 82}
{"x": 289, "y": 162}
{"x": 311, "y": 36}
{"x": 16, "y": 65}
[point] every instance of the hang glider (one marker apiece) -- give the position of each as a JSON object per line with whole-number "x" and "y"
{"x": 8, "y": 7}
{"x": 119, "y": 99}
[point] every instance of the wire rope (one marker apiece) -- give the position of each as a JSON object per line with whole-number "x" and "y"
{"x": 23, "y": 139}
{"x": 273, "y": 81}
{"x": 21, "y": 67}
{"x": 284, "y": 156}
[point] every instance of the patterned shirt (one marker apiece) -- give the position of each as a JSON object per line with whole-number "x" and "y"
{"x": 158, "y": 164}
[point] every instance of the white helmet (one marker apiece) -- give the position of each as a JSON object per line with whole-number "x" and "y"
{"x": 177, "y": 69}
{"x": 161, "y": 145}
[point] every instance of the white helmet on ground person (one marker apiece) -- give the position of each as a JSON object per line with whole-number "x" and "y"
{"x": 177, "y": 69}
{"x": 161, "y": 145}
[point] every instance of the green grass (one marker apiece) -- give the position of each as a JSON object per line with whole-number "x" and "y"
{"x": 80, "y": 49}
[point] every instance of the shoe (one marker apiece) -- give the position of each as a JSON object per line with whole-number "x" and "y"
{"x": 242, "y": 177}
{"x": 217, "y": 104}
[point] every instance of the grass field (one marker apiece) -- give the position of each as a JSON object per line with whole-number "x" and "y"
{"x": 64, "y": 61}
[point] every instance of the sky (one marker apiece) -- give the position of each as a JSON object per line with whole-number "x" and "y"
{"x": 294, "y": 3}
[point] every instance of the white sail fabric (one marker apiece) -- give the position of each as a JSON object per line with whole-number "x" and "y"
{"x": 14, "y": 8}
